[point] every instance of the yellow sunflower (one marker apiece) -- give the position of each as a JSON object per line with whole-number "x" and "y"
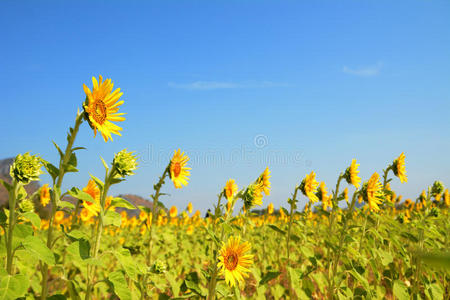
{"x": 59, "y": 216}
{"x": 351, "y": 174}
{"x": 309, "y": 186}
{"x": 323, "y": 196}
{"x": 45, "y": 195}
{"x": 179, "y": 173}
{"x": 93, "y": 190}
{"x": 102, "y": 106}
{"x": 230, "y": 189}
{"x": 447, "y": 198}
{"x": 264, "y": 181}
{"x": 85, "y": 215}
{"x": 270, "y": 208}
{"x": 373, "y": 192}
{"x": 399, "y": 168}
{"x": 234, "y": 260}
{"x": 189, "y": 208}
{"x": 173, "y": 211}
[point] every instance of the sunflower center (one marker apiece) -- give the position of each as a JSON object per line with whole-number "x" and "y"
{"x": 231, "y": 261}
{"x": 176, "y": 169}
{"x": 99, "y": 113}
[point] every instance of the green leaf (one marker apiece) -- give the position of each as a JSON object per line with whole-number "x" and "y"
{"x": 66, "y": 204}
{"x": 12, "y": 286}
{"x": 359, "y": 278}
{"x": 36, "y": 247}
{"x": 277, "y": 229}
{"x": 112, "y": 218}
{"x": 99, "y": 183}
{"x": 437, "y": 260}
{"x": 269, "y": 276}
{"x": 79, "y": 194}
{"x": 61, "y": 154}
{"x": 51, "y": 169}
{"x": 400, "y": 290}
{"x": 80, "y": 249}
{"x": 386, "y": 257}
{"x": 33, "y": 218}
{"x": 120, "y": 202}
{"x": 7, "y": 186}
{"x": 120, "y": 285}
{"x": 57, "y": 297}
{"x": 78, "y": 148}
{"x": 127, "y": 262}
{"x": 104, "y": 164}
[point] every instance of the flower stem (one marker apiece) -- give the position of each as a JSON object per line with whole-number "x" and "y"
{"x": 56, "y": 194}
{"x": 12, "y": 224}
{"x": 288, "y": 238}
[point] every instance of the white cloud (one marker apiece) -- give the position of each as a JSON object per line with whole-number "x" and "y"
{"x": 364, "y": 71}
{"x": 214, "y": 85}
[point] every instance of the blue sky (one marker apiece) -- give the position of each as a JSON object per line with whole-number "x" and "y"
{"x": 238, "y": 85}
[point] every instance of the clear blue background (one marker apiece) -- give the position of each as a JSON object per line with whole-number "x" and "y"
{"x": 315, "y": 83}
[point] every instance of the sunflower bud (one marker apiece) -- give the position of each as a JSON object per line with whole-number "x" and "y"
{"x": 26, "y": 168}
{"x": 437, "y": 189}
{"x": 159, "y": 267}
{"x": 125, "y": 163}
{"x": 26, "y": 206}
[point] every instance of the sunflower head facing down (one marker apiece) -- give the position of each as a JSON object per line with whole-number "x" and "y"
{"x": 372, "y": 192}
{"x": 351, "y": 174}
{"x": 263, "y": 180}
{"x": 398, "y": 167}
{"x": 253, "y": 196}
{"x": 179, "y": 173}
{"x": 235, "y": 260}
{"x": 102, "y": 106}
{"x": 230, "y": 189}
{"x": 309, "y": 185}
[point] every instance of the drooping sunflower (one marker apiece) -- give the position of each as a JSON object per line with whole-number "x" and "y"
{"x": 399, "y": 168}
{"x": 253, "y": 196}
{"x": 373, "y": 192}
{"x": 270, "y": 208}
{"x": 102, "y": 106}
{"x": 230, "y": 189}
{"x": 45, "y": 195}
{"x": 234, "y": 260}
{"x": 263, "y": 180}
{"x": 351, "y": 174}
{"x": 93, "y": 190}
{"x": 179, "y": 173}
{"x": 309, "y": 186}
{"x": 322, "y": 194}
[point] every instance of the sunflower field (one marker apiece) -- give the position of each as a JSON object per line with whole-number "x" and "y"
{"x": 359, "y": 240}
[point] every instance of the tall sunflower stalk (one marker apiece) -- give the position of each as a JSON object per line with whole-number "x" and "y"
{"x": 179, "y": 174}
{"x": 123, "y": 165}
{"x": 25, "y": 168}
{"x": 67, "y": 163}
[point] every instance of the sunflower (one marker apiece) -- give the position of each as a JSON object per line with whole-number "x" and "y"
{"x": 59, "y": 216}
{"x": 253, "y": 195}
{"x": 102, "y": 106}
{"x": 263, "y": 180}
{"x": 322, "y": 194}
{"x": 309, "y": 185}
{"x": 447, "y": 198}
{"x": 190, "y": 230}
{"x": 142, "y": 216}
{"x": 173, "y": 211}
{"x": 373, "y": 192}
{"x": 179, "y": 173}
{"x": 93, "y": 190}
{"x": 85, "y": 215}
{"x": 230, "y": 189}
{"x": 270, "y": 208}
{"x": 346, "y": 195}
{"x": 234, "y": 260}
{"x": 189, "y": 208}
{"x": 45, "y": 195}
{"x": 399, "y": 168}
{"x": 351, "y": 174}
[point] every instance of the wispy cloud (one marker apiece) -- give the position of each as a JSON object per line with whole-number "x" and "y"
{"x": 214, "y": 85}
{"x": 365, "y": 71}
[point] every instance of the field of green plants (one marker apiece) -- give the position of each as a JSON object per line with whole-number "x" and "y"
{"x": 356, "y": 240}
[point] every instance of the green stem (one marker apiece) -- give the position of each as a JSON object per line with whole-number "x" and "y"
{"x": 55, "y": 195}
{"x": 12, "y": 224}
{"x": 288, "y": 239}
{"x": 363, "y": 233}
{"x": 98, "y": 234}
{"x": 341, "y": 242}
